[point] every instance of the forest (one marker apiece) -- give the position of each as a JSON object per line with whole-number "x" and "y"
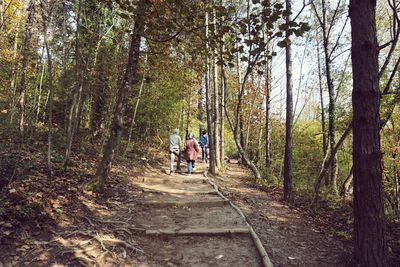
{"x": 303, "y": 94}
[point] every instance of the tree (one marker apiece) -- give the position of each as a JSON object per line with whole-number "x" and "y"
{"x": 369, "y": 218}
{"x": 327, "y": 27}
{"x": 287, "y": 169}
{"x": 116, "y": 127}
{"x": 210, "y": 125}
{"x": 25, "y": 61}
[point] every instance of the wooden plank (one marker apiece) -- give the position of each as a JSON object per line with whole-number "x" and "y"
{"x": 179, "y": 191}
{"x": 200, "y": 231}
{"x": 191, "y": 204}
{"x": 171, "y": 180}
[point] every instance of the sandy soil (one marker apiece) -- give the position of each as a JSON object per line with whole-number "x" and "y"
{"x": 290, "y": 237}
{"x": 85, "y": 229}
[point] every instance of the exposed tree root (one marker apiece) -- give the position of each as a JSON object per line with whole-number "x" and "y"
{"x": 84, "y": 251}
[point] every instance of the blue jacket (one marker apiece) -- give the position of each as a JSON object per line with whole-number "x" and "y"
{"x": 203, "y": 140}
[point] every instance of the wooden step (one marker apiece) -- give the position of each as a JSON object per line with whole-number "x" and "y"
{"x": 178, "y": 179}
{"x": 179, "y": 191}
{"x": 190, "y": 204}
{"x": 199, "y": 231}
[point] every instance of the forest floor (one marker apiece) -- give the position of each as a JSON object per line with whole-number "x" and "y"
{"x": 148, "y": 218}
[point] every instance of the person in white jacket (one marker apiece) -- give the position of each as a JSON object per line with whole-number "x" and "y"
{"x": 175, "y": 145}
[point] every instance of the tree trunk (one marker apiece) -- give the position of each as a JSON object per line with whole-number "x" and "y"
{"x": 212, "y": 162}
{"x": 77, "y": 94}
{"x": 239, "y": 116}
{"x": 116, "y": 127}
{"x": 222, "y": 114}
{"x": 326, "y": 163}
{"x": 287, "y": 170}
{"x": 241, "y": 151}
{"x": 345, "y": 189}
{"x": 323, "y": 121}
{"x": 268, "y": 79}
{"x": 39, "y": 94}
{"x": 235, "y": 125}
{"x": 216, "y": 100}
{"x": 25, "y": 61}
{"x": 14, "y": 75}
{"x": 331, "y": 92}
{"x": 136, "y": 106}
{"x": 50, "y": 101}
{"x": 369, "y": 218}
{"x": 216, "y": 111}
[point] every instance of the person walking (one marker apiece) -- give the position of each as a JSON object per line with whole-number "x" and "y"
{"x": 175, "y": 144}
{"x": 204, "y": 145}
{"x": 192, "y": 151}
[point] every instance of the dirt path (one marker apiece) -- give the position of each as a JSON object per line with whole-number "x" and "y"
{"x": 290, "y": 236}
{"x": 188, "y": 224}
{"x": 148, "y": 218}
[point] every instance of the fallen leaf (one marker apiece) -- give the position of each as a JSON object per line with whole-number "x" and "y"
{"x": 219, "y": 257}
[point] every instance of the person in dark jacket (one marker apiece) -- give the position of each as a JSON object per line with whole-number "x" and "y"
{"x": 204, "y": 145}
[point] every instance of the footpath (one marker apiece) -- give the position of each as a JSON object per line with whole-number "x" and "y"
{"x": 192, "y": 224}
{"x": 147, "y": 218}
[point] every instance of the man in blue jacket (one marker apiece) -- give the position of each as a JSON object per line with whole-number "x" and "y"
{"x": 204, "y": 145}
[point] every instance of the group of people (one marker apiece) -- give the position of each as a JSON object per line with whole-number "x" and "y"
{"x": 191, "y": 150}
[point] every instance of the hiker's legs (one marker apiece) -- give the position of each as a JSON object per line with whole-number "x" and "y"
{"x": 190, "y": 166}
{"x": 203, "y": 152}
{"x": 178, "y": 165}
{"x": 172, "y": 159}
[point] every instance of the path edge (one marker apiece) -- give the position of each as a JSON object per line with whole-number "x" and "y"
{"x": 260, "y": 248}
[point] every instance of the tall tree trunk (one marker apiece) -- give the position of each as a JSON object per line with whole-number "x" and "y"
{"x": 287, "y": 170}
{"x": 234, "y": 127}
{"x": 323, "y": 120}
{"x": 216, "y": 100}
{"x": 222, "y": 114}
{"x": 136, "y": 106}
{"x": 116, "y": 127}
{"x": 369, "y": 218}
{"x": 331, "y": 92}
{"x": 240, "y": 117}
{"x": 212, "y": 162}
{"x": 268, "y": 79}
{"x": 24, "y": 66}
{"x": 39, "y": 94}
{"x": 331, "y": 127}
{"x": 14, "y": 76}
{"x": 188, "y": 113}
{"x": 77, "y": 94}
{"x": 50, "y": 101}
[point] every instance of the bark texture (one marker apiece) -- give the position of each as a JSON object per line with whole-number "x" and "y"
{"x": 288, "y": 168}
{"x": 369, "y": 217}
{"x": 212, "y": 162}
